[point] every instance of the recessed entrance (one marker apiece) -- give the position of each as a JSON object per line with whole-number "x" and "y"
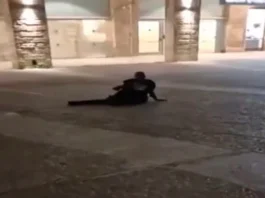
{"x": 255, "y": 29}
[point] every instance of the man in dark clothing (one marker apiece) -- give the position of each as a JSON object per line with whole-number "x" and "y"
{"x": 134, "y": 91}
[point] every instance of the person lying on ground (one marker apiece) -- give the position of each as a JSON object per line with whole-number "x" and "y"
{"x": 133, "y": 91}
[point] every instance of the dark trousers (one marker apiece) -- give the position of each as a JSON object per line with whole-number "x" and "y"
{"x": 88, "y": 102}
{"x": 119, "y": 99}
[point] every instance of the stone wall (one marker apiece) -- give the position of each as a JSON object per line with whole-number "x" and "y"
{"x": 5, "y": 47}
{"x": 235, "y": 27}
{"x": 182, "y": 31}
{"x": 88, "y": 38}
{"x": 124, "y": 19}
{"x": 80, "y": 38}
{"x": 155, "y": 9}
{"x": 187, "y": 36}
{"x": 95, "y": 39}
{"x": 5, "y": 43}
{"x": 31, "y": 35}
{"x": 69, "y": 39}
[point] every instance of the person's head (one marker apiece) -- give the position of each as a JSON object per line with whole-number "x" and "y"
{"x": 139, "y": 75}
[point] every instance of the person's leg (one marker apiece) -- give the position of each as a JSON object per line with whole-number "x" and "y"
{"x": 114, "y": 100}
{"x": 88, "y": 102}
{"x": 118, "y": 99}
{"x": 123, "y": 98}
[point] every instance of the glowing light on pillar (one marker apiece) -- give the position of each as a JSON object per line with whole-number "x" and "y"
{"x": 187, "y": 4}
{"x": 28, "y": 2}
{"x": 187, "y": 16}
{"x": 29, "y": 15}
{"x": 187, "y": 13}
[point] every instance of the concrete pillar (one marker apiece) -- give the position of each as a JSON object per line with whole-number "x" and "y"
{"x": 9, "y": 48}
{"x": 124, "y": 18}
{"x": 236, "y": 19}
{"x": 182, "y": 30}
{"x": 30, "y": 32}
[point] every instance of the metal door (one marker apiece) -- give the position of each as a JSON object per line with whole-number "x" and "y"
{"x": 207, "y": 36}
{"x": 149, "y": 32}
{"x": 63, "y": 38}
{"x": 93, "y": 39}
{"x": 255, "y": 29}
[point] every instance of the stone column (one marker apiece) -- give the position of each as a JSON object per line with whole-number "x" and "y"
{"x": 30, "y": 32}
{"x": 182, "y": 30}
{"x": 124, "y": 18}
{"x": 236, "y": 19}
{"x": 10, "y": 44}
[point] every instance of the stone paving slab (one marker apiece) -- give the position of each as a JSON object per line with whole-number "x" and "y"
{"x": 26, "y": 164}
{"x": 245, "y": 169}
{"x": 46, "y": 171}
{"x": 150, "y": 183}
{"x": 138, "y": 150}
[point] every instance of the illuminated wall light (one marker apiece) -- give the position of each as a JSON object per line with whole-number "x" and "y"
{"x": 29, "y": 15}
{"x": 186, "y": 3}
{"x": 187, "y": 16}
{"x": 28, "y": 2}
{"x": 28, "y": 12}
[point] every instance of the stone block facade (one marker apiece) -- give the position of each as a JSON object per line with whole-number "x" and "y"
{"x": 182, "y": 31}
{"x": 7, "y": 49}
{"x": 5, "y": 46}
{"x": 27, "y": 34}
{"x": 30, "y": 34}
{"x": 124, "y": 18}
{"x": 80, "y": 38}
{"x": 95, "y": 39}
{"x": 36, "y": 40}
{"x": 236, "y": 17}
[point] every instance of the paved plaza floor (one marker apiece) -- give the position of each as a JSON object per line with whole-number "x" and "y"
{"x": 208, "y": 140}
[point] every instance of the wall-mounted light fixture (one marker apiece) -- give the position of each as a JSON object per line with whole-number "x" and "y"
{"x": 29, "y": 15}
{"x": 28, "y": 2}
{"x": 186, "y": 4}
{"x": 187, "y": 16}
{"x": 187, "y": 10}
{"x": 30, "y": 33}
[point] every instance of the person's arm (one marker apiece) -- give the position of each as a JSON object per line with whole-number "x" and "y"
{"x": 152, "y": 93}
{"x": 118, "y": 88}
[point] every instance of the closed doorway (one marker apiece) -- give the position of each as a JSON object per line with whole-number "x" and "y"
{"x": 255, "y": 29}
{"x": 207, "y": 36}
{"x": 149, "y": 32}
{"x": 63, "y": 38}
{"x": 93, "y": 39}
